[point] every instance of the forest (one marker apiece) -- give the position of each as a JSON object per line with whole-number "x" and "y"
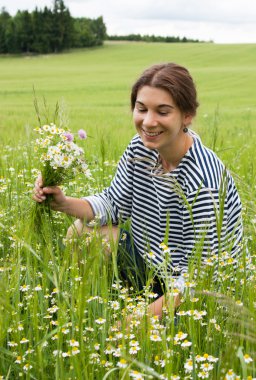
{"x": 48, "y": 30}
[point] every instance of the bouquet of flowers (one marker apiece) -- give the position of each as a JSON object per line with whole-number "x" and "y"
{"x": 60, "y": 160}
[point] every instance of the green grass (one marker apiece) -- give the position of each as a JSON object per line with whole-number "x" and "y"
{"x": 94, "y": 86}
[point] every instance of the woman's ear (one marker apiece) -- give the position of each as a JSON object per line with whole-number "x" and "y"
{"x": 188, "y": 119}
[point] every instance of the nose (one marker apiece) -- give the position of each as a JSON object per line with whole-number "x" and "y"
{"x": 149, "y": 119}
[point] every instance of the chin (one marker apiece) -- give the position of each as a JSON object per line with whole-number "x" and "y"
{"x": 149, "y": 145}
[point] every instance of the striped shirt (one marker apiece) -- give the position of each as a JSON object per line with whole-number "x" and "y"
{"x": 193, "y": 208}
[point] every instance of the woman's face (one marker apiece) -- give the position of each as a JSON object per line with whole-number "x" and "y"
{"x": 158, "y": 120}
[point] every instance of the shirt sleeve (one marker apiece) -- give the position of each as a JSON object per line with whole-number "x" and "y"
{"x": 115, "y": 202}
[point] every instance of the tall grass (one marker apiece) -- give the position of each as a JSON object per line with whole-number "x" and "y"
{"x": 63, "y": 313}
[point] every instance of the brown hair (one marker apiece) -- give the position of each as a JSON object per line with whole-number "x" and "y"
{"x": 174, "y": 79}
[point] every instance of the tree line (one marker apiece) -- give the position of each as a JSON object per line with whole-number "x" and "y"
{"x": 53, "y": 29}
{"x": 48, "y": 30}
{"x": 150, "y": 38}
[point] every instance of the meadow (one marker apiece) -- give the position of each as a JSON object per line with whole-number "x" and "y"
{"x": 63, "y": 313}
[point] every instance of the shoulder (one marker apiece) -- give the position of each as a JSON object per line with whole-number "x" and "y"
{"x": 208, "y": 164}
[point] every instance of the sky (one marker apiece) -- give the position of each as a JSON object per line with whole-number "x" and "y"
{"x": 221, "y": 21}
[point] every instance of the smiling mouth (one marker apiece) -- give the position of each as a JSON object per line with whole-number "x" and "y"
{"x": 151, "y": 134}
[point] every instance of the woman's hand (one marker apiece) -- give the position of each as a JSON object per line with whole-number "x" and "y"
{"x": 41, "y": 192}
{"x": 79, "y": 208}
{"x": 156, "y": 307}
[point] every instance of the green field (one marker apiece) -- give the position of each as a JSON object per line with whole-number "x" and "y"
{"x": 95, "y": 86}
{"x": 92, "y": 87}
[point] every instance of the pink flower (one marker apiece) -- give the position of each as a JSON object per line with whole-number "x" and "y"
{"x": 82, "y": 134}
{"x": 69, "y": 136}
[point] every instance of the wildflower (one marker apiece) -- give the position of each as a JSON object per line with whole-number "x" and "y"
{"x": 48, "y": 316}
{"x": 75, "y": 351}
{"x": 68, "y": 136}
{"x": 20, "y": 327}
{"x": 186, "y": 343}
{"x": 136, "y": 375}
{"x": 106, "y": 363}
{"x": 164, "y": 247}
{"x": 206, "y": 367}
{"x": 100, "y": 321}
{"x": 151, "y": 255}
{"x": 12, "y": 344}
{"x": 122, "y": 363}
{"x": 155, "y": 338}
{"x": 197, "y": 315}
{"x": 73, "y": 343}
{"x": 199, "y": 358}
{"x": 110, "y": 339}
{"x": 54, "y": 323}
{"x": 53, "y": 309}
{"x": 180, "y": 336}
{"x": 38, "y": 288}
{"x": 230, "y": 375}
{"x": 27, "y": 367}
{"x": 24, "y": 288}
{"x": 66, "y": 354}
{"x": 203, "y": 375}
{"x": 94, "y": 358}
{"x": 117, "y": 353}
{"x": 188, "y": 366}
{"x": 46, "y": 128}
{"x": 134, "y": 343}
{"x": 109, "y": 350}
{"x": 82, "y": 134}
{"x": 247, "y": 359}
{"x": 209, "y": 262}
{"x": 57, "y": 352}
{"x": 180, "y": 313}
{"x": 133, "y": 350}
{"x": 175, "y": 292}
{"x": 115, "y": 305}
{"x": 29, "y": 351}
{"x": 19, "y": 360}
{"x": 24, "y": 340}
{"x": 211, "y": 359}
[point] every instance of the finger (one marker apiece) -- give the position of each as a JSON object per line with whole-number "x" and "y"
{"x": 51, "y": 190}
{"x": 38, "y": 198}
{"x": 39, "y": 181}
{"x": 38, "y": 191}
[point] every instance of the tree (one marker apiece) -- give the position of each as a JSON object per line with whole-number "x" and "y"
{"x": 24, "y": 31}
{"x": 99, "y": 29}
{"x": 62, "y": 28}
{"x": 4, "y": 19}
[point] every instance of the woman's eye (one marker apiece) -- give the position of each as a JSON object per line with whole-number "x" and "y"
{"x": 141, "y": 109}
{"x": 163, "y": 113}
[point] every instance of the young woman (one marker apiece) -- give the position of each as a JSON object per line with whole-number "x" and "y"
{"x": 176, "y": 192}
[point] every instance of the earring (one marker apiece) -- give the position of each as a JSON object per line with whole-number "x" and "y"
{"x": 185, "y": 129}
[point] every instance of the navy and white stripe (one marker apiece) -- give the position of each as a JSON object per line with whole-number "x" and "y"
{"x": 188, "y": 199}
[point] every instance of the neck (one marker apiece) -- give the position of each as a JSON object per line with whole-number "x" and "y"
{"x": 172, "y": 157}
